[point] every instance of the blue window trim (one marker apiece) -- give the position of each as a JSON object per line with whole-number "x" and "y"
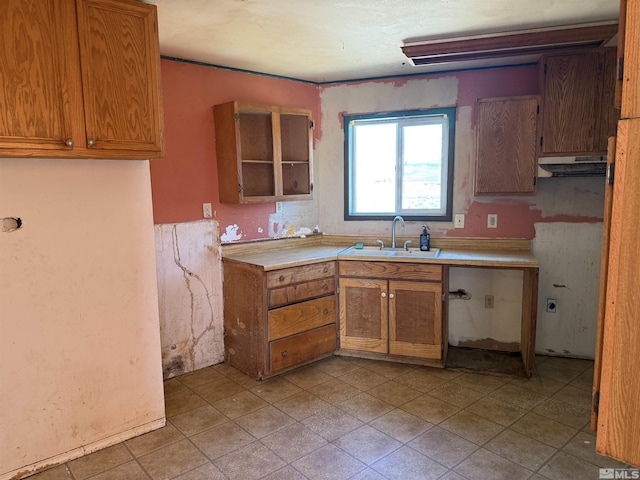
{"x": 450, "y": 112}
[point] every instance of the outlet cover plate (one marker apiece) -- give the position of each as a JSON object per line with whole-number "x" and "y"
{"x": 459, "y": 220}
{"x": 492, "y": 220}
{"x": 207, "y": 212}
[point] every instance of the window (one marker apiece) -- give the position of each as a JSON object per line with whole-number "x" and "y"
{"x": 399, "y": 163}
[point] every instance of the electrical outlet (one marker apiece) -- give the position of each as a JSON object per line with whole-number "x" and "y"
{"x": 552, "y": 305}
{"x": 206, "y": 210}
{"x": 488, "y": 301}
{"x": 459, "y": 221}
{"x": 492, "y": 220}
{"x": 278, "y": 207}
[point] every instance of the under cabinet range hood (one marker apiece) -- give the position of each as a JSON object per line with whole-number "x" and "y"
{"x": 588, "y": 166}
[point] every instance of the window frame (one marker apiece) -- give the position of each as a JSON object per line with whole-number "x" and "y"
{"x": 450, "y": 115}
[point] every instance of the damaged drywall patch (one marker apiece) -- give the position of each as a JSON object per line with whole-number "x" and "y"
{"x": 231, "y": 234}
{"x": 11, "y": 224}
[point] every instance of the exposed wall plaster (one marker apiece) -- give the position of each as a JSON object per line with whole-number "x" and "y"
{"x": 231, "y": 234}
{"x": 190, "y": 296}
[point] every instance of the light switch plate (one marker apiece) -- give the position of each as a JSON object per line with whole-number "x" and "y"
{"x": 459, "y": 221}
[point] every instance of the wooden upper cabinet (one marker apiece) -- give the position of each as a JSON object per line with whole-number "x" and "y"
{"x": 80, "y": 79}
{"x": 264, "y": 153}
{"x": 506, "y": 146}
{"x": 577, "y": 110}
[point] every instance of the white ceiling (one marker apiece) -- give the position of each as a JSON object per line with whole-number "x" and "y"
{"x": 335, "y": 40}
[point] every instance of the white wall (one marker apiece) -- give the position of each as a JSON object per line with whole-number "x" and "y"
{"x": 80, "y": 361}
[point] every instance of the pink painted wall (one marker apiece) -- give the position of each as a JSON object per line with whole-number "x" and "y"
{"x": 187, "y": 177}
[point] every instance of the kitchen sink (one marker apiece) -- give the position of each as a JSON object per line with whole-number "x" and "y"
{"x": 388, "y": 252}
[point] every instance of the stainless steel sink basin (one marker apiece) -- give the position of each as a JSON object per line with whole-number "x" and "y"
{"x": 402, "y": 253}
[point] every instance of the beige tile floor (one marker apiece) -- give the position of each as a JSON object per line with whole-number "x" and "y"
{"x": 345, "y": 418}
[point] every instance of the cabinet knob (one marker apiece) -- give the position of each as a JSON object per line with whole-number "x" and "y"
{"x": 325, "y": 287}
{"x": 391, "y": 295}
{"x": 285, "y": 353}
{"x": 383, "y": 294}
{"x": 69, "y": 143}
{"x": 91, "y": 142}
{"x": 326, "y": 311}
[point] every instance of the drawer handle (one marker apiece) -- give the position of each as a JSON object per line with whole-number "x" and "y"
{"x": 326, "y": 311}
{"x": 281, "y": 278}
{"x": 285, "y": 353}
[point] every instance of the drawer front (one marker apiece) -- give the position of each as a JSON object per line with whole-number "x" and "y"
{"x": 404, "y": 271}
{"x": 305, "y": 273}
{"x": 300, "y": 317}
{"x": 303, "y": 347}
{"x": 301, "y": 291}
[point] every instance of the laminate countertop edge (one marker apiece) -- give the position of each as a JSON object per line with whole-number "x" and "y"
{"x": 305, "y": 255}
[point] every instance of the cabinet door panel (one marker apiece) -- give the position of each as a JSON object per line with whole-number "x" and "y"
{"x": 40, "y": 89}
{"x": 572, "y": 90}
{"x": 363, "y": 315}
{"x": 506, "y": 146}
{"x": 415, "y": 319}
{"x": 120, "y": 61}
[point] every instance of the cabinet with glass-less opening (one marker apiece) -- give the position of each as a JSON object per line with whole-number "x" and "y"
{"x": 264, "y": 153}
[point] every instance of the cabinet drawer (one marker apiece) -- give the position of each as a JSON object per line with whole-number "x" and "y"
{"x": 302, "y": 347}
{"x": 303, "y": 316}
{"x": 301, "y": 291}
{"x": 404, "y": 271}
{"x": 287, "y": 276}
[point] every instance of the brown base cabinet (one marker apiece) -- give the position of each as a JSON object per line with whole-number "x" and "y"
{"x": 279, "y": 319}
{"x": 392, "y": 309}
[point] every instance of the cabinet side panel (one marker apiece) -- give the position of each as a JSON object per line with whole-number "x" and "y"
{"x": 631, "y": 79}
{"x": 245, "y": 317}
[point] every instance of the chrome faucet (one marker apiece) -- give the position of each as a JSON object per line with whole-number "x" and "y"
{"x": 393, "y": 229}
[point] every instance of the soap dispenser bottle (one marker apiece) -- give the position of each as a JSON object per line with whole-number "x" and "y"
{"x": 424, "y": 239}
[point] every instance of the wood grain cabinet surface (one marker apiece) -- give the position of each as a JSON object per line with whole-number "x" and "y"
{"x": 506, "y": 153}
{"x": 578, "y": 95}
{"x": 80, "y": 79}
{"x": 392, "y": 309}
{"x": 264, "y": 153}
{"x": 279, "y": 319}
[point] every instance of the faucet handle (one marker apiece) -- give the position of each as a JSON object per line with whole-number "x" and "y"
{"x": 405, "y": 244}
{"x": 381, "y": 244}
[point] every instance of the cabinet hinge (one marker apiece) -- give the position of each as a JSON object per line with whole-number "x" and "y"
{"x": 596, "y": 401}
{"x": 311, "y": 124}
{"x": 620, "y": 68}
{"x": 545, "y": 68}
{"x": 311, "y": 187}
{"x": 161, "y": 135}
{"x": 537, "y": 109}
{"x": 443, "y": 297}
{"x": 240, "y": 188}
{"x": 237, "y": 116}
{"x": 611, "y": 173}
{"x": 540, "y": 141}
{"x": 534, "y": 180}
{"x": 338, "y": 290}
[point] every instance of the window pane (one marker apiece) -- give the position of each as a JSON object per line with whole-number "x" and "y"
{"x": 422, "y": 167}
{"x": 374, "y": 168}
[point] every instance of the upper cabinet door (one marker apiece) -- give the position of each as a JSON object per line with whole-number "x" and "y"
{"x": 506, "y": 146}
{"x": 572, "y": 87}
{"x": 40, "y": 93}
{"x": 120, "y": 63}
